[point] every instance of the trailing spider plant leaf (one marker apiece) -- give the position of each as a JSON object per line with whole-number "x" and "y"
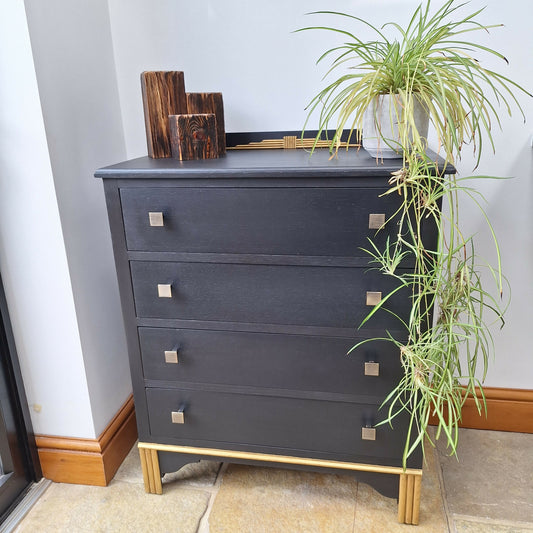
{"x": 446, "y": 342}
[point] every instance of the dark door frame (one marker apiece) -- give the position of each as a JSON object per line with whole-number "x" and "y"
{"x": 18, "y": 445}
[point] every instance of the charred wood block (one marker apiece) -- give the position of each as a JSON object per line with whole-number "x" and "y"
{"x": 163, "y": 95}
{"x": 193, "y": 136}
{"x": 210, "y": 103}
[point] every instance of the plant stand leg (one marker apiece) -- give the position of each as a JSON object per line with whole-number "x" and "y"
{"x": 409, "y": 498}
{"x": 151, "y": 472}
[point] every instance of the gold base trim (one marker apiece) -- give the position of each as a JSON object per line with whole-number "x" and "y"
{"x": 409, "y": 499}
{"x": 410, "y": 479}
{"x": 285, "y": 459}
{"x": 151, "y": 472}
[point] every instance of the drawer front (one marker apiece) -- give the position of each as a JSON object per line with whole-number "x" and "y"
{"x": 301, "y": 221}
{"x": 300, "y": 424}
{"x": 291, "y": 295}
{"x": 297, "y": 362}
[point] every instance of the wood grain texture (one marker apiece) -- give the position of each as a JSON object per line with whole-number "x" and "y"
{"x": 119, "y": 446}
{"x": 66, "y": 466}
{"x": 210, "y": 103}
{"x": 507, "y": 410}
{"x": 193, "y": 136}
{"x": 163, "y": 95}
{"x": 269, "y": 213}
{"x": 89, "y": 461}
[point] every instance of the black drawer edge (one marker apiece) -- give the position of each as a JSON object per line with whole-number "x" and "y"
{"x": 268, "y": 328}
{"x": 264, "y": 391}
{"x": 252, "y": 259}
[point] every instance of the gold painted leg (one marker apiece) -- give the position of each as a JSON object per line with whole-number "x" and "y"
{"x": 409, "y": 498}
{"x": 151, "y": 472}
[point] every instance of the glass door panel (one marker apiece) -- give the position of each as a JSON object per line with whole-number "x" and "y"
{"x": 19, "y": 465}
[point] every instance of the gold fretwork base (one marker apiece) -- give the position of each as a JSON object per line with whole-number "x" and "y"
{"x": 410, "y": 479}
{"x": 151, "y": 472}
{"x": 409, "y": 498}
{"x": 289, "y": 142}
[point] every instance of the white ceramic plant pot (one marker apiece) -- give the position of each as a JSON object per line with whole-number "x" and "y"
{"x": 381, "y": 137}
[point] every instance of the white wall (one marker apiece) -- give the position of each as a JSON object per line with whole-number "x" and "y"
{"x": 267, "y": 75}
{"x": 32, "y": 253}
{"x": 244, "y": 49}
{"x": 72, "y": 50}
{"x": 510, "y": 202}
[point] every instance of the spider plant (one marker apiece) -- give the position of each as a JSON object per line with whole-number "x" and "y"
{"x": 444, "y": 357}
{"x": 429, "y": 60}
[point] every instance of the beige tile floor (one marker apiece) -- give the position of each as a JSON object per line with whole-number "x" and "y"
{"x": 488, "y": 490}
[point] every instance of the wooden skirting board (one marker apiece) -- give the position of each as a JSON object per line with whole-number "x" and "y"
{"x": 507, "y": 410}
{"x": 89, "y": 461}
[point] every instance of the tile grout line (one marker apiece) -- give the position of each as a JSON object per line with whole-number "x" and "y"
{"x": 496, "y": 521}
{"x": 355, "y": 507}
{"x": 203, "y": 525}
{"x": 450, "y": 522}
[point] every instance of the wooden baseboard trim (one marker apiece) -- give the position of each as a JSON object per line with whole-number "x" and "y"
{"x": 89, "y": 461}
{"x": 507, "y": 410}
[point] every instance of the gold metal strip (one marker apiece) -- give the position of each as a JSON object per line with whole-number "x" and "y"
{"x": 416, "y": 500}
{"x": 287, "y": 142}
{"x": 409, "y": 502}
{"x": 144, "y": 466}
{"x": 402, "y": 497}
{"x": 150, "y": 471}
{"x": 254, "y": 456}
{"x": 156, "y": 473}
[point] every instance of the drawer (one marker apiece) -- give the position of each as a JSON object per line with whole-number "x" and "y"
{"x": 296, "y": 362}
{"x": 272, "y": 221}
{"x": 290, "y": 295}
{"x": 282, "y": 423}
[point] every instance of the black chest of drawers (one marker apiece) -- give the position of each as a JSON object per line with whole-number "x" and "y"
{"x": 243, "y": 284}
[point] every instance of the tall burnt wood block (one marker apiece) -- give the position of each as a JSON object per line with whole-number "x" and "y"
{"x": 193, "y": 136}
{"x": 210, "y": 103}
{"x": 163, "y": 94}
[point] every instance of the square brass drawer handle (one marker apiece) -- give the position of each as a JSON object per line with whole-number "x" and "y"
{"x": 156, "y": 218}
{"x": 164, "y": 290}
{"x": 368, "y": 433}
{"x": 373, "y": 298}
{"x": 376, "y": 220}
{"x": 178, "y": 417}
{"x": 171, "y": 356}
{"x": 371, "y": 368}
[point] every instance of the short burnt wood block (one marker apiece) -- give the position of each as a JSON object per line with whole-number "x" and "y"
{"x": 163, "y": 95}
{"x": 193, "y": 136}
{"x": 210, "y": 103}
